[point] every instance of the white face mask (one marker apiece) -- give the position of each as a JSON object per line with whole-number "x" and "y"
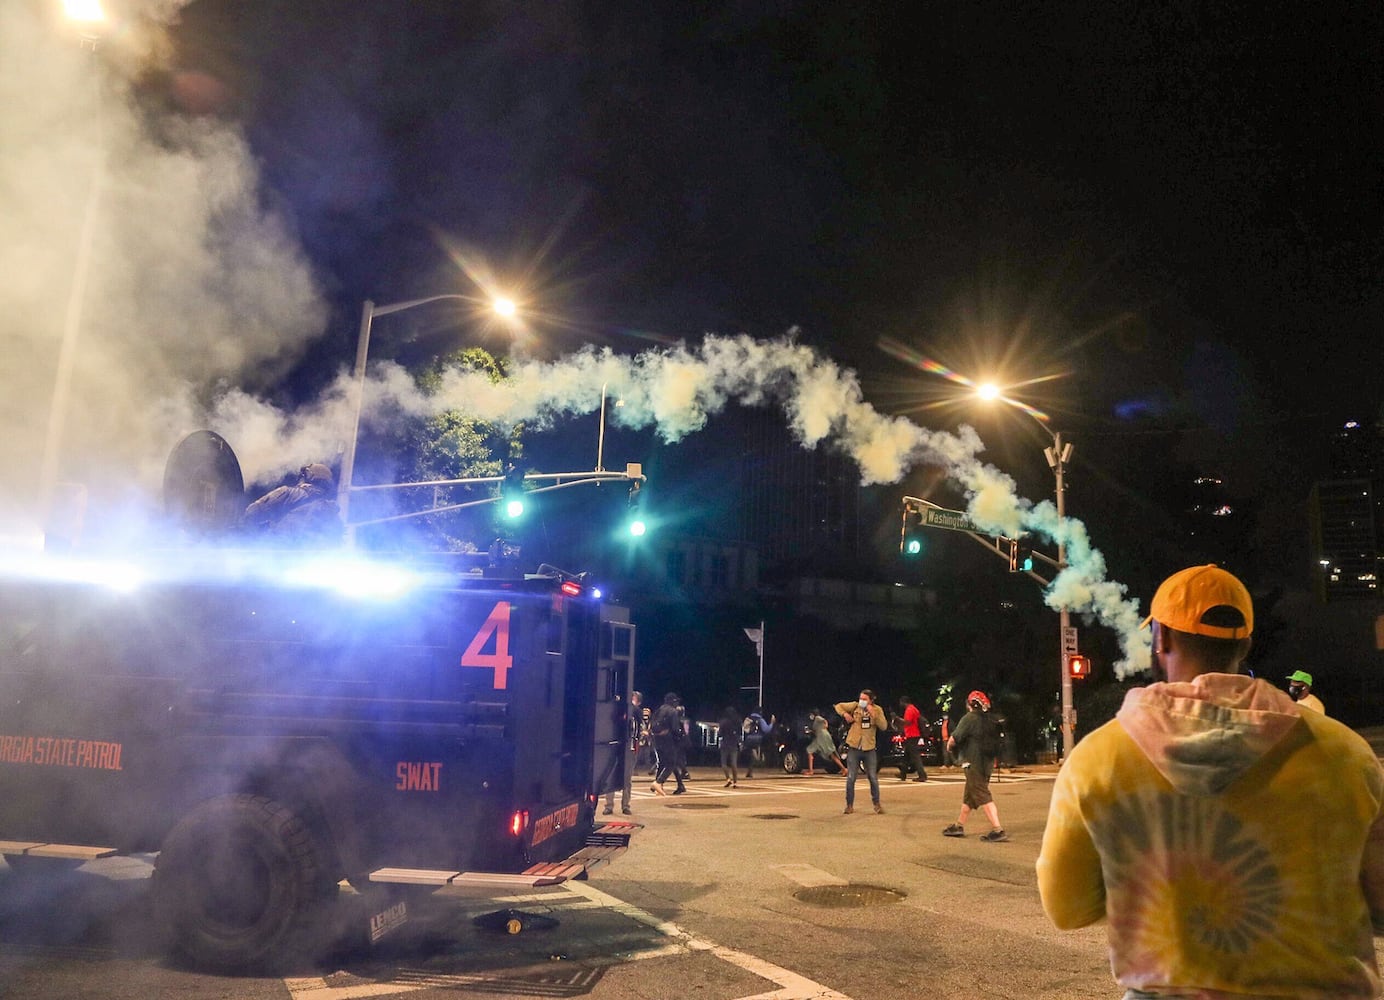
{"x": 864, "y": 703}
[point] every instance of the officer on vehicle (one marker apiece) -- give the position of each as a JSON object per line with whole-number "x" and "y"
{"x": 305, "y": 511}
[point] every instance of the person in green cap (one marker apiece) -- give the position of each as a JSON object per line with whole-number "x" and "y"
{"x": 1300, "y": 687}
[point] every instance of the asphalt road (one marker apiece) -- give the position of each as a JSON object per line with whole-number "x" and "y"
{"x": 764, "y": 891}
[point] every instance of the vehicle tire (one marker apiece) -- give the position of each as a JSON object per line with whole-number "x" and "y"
{"x": 240, "y": 885}
{"x": 792, "y": 761}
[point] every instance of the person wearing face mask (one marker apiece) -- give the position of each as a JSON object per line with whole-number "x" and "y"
{"x": 1231, "y": 841}
{"x": 867, "y": 721}
{"x": 1300, "y": 688}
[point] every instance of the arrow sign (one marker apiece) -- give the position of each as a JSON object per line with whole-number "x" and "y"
{"x": 1069, "y": 646}
{"x": 940, "y": 517}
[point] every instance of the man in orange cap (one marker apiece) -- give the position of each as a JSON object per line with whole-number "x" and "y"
{"x": 1233, "y": 842}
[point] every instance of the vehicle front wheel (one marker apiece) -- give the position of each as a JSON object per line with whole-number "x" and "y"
{"x": 792, "y": 761}
{"x": 240, "y": 884}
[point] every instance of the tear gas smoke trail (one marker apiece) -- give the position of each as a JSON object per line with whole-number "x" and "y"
{"x": 675, "y": 391}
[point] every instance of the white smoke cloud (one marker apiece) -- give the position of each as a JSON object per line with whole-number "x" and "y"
{"x": 675, "y": 391}
{"x": 193, "y": 283}
{"x": 190, "y": 281}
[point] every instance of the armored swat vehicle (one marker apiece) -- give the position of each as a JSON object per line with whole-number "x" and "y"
{"x": 276, "y": 724}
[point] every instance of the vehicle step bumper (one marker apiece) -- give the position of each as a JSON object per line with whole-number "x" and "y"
{"x": 41, "y": 849}
{"x": 603, "y": 845}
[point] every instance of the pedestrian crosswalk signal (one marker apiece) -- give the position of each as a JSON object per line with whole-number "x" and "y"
{"x": 1078, "y": 666}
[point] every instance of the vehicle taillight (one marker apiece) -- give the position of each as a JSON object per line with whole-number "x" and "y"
{"x": 571, "y": 588}
{"x": 519, "y": 822}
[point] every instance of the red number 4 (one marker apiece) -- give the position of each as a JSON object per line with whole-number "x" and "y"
{"x": 499, "y": 661}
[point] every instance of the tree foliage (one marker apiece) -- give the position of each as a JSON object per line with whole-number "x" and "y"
{"x": 454, "y": 445}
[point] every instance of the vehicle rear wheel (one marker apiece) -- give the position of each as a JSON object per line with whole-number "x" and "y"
{"x": 792, "y": 761}
{"x": 239, "y": 884}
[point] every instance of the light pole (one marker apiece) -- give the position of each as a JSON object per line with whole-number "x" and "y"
{"x": 87, "y": 16}
{"x": 1058, "y": 454}
{"x": 505, "y": 307}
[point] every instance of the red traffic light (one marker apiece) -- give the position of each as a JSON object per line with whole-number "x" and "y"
{"x": 1078, "y": 666}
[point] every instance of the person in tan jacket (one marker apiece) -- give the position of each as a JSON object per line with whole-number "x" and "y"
{"x": 867, "y": 721}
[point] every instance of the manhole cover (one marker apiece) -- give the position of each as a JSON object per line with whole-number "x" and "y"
{"x": 774, "y": 816}
{"x": 696, "y": 805}
{"x": 848, "y": 895}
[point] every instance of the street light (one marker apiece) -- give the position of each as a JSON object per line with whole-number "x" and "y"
{"x": 1058, "y": 454}
{"x": 505, "y": 307}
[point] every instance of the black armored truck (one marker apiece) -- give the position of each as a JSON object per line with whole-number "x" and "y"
{"x": 274, "y": 725}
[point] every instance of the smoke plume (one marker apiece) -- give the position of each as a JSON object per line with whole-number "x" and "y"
{"x": 144, "y": 242}
{"x": 138, "y": 239}
{"x": 676, "y": 390}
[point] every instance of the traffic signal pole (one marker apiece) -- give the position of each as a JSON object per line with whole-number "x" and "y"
{"x": 1058, "y": 456}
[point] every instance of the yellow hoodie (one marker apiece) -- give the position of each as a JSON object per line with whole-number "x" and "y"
{"x": 1234, "y": 842}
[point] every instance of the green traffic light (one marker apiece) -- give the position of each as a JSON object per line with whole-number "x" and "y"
{"x": 913, "y": 547}
{"x": 637, "y": 528}
{"x": 514, "y": 508}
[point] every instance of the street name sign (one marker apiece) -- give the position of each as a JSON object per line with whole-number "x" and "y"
{"x": 940, "y": 517}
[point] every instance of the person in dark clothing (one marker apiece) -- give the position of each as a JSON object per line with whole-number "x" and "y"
{"x": 976, "y": 741}
{"x": 729, "y": 730}
{"x": 754, "y": 731}
{"x": 304, "y": 512}
{"x": 666, "y": 729}
{"x": 645, "y": 760}
{"x": 912, "y": 733}
{"x": 683, "y": 740}
{"x": 633, "y": 727}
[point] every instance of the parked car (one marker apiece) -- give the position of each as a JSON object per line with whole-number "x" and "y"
{"x": 790, "y": 740}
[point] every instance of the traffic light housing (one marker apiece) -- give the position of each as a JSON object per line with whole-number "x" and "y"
{"x": 1020, "y": 556}
{"x": 634, "y": 517}
{"x": 911, "y": 533}
{"x": 1078, "y": 666}
{"x": 512, "y": 494}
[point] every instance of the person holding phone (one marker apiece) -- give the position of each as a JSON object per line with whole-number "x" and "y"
{"x": 867, "y": 721}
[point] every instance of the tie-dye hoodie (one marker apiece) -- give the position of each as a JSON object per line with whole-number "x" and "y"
{"x": 1234, "y": 842}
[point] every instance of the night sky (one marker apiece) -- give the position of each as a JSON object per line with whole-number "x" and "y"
{"x": 1171, "y": 214}
{"x": 1177, "y": 210}
{"x": 1073, "y": 188}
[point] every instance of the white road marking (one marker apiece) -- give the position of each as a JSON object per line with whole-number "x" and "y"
{"x": 807, "y": 876}
{"x": 792, "y": 986}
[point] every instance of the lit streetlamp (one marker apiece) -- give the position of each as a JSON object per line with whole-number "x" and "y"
{"x": 1058, "y": 454}
{"x": 504, "y": 307}
{"x": 87, "y": 17}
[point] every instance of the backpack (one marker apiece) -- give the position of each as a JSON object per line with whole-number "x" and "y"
{"x": 753, "y": 731}
{"x": 659, "y": 726}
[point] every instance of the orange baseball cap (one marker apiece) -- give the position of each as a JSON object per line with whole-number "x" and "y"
{"x": 1203, "y": 600}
